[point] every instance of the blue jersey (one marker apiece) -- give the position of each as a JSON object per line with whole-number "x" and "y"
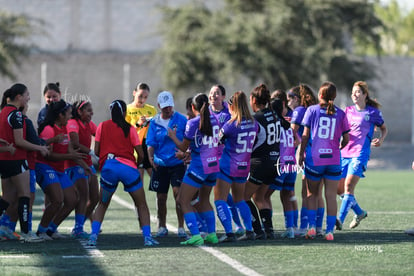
{"x": 164, "y": 147}
{"x": 204, "y": 149}
{"x": 297, "y": 117}
{"x": 325, "y": 134}
{"x": 238, "y": 146}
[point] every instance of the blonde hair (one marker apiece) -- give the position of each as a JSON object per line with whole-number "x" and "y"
{"x": 240, "y": 108}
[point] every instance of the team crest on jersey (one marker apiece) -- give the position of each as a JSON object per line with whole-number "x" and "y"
{"x": 51, "y": 175}
{"x": 80, "y": 170}
{"x": 366, "y": 118}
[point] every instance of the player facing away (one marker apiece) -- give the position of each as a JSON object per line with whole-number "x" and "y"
{"x": 325, "y": 124}
{"x": 201, "y": 136}
{"x": 118, "y": 164}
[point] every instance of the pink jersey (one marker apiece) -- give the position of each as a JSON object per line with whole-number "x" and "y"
{"x": 287, "y": 159}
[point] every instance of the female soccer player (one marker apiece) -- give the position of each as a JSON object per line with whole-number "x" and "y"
{"x": 201, "y": 135}
{"x": 238, "y": 135}
{"x": 325, "y": 124}
{"x": 50, "y": 171}
{"x": 51, "y": 94}
{"x": 362, "y": 117}
{"x": 14, "y": 169}
{"x": 81, "y": 129}
{"x": 117, "y": 163}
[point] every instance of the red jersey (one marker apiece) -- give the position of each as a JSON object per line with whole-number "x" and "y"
{"x": 85, "y": 132}
{"x": 10, "y": 119}
{"x": 62, "y": 147}
{"x": 113, "y": 141}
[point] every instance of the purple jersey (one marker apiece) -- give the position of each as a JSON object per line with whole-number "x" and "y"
{"x": 362, "y": 124}
{"x": 222, "y": 116}
{"x": 204, "y": 149}
{"x": 325, "y": 134}
{"x": 238, "y": 145}
{"x": 287, "y": 160}
{"x": 297, "y": 117}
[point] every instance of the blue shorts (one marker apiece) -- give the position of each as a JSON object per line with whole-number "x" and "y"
{"x": 46, "y": 175}
{"x": 196, "y": 177}
{"x": 354, "y": 166}
{"x": 316, "y": 173}
{"x": 230, "y": 179}
{"x": 75, "y": 173}
{"x": 285, "y": 181}
{"x": 32, "y": 181}
{"x": 114, "y": 171}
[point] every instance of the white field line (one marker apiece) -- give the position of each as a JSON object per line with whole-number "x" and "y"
{"x": 219, "y": 255}
{"x": 14, "y": 256}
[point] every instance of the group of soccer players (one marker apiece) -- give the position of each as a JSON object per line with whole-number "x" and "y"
{"x": 221, "y": 147}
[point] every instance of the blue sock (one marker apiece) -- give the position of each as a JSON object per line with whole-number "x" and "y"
{"x": 347, "y": 202}
{"x": 202, "y": 224}
{"x": 330, "y": 223}
{"x": 355, "y": 207}
{"x": 210, "y": 220}
{"x": 96, "y": 227}
{"x": 12, "y": 226}
{"x": 191, "y": 221}
{"x": 52, "y": 227}
{"x": 245, "y": 214}
{"x": 79, "y": 221}
{"x": 5, "y": 220}
{"x": 304, "y": 220}
{"x": 319, "y": 217}
{"x": 295, "y": 218}
{"x": 41, "y": 229}
{"x": 311, "y": 218}
{"x": 146, "y": 230}
{"x": 223, "y": 213}
{"x": 234, "y": 212}
{"x": 289, "y": 216}
{"x": 29, "y": 220}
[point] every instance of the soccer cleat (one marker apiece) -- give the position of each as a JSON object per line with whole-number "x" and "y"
{"x": 329, "y": 236}
{"x": 30, "y": 237}
{"x": 44, "y": 236}
{"x": 270, "y": 235}
{"x": 194, "y": 240}
{"x": 261, "y": 235}
{"x": 16, "y": 235}
{"x": 150, "y": 241}
{"x": 228, "y": 237}
{"x": 6, "y": 232}
{"x": 357, "y": 219}
{"x": 211, "y": 238}
{"x": 162, "y": 232}
{"x": 92, "y": 240}
{"x": 248, "y": 236}
{"x": 288, "y": 234}
{"x": 338, "y": 225}
{"x": 301, "y": 232}
{"x": 82, "y": 235}
{"x": 410, "y": 231}
{"x": 239, "y": 231}
{"x": 181, "y": 233}
{"x": 319, "y": 232}
{"x": 311, "y": 233}
{"x": 57, "y": 236}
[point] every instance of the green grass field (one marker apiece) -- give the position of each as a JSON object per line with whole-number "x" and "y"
{"x": 377, "y": 247}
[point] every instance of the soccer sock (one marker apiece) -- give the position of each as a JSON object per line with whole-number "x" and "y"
{"x": 311, "y": 218}
{"x": 202, "y": 224}
{"x": 330, "y": 223}
{"x": 347, "y": 202}
{"x": 355, "y": 207}
{"x": 79, "y": 222}
{"x": 30, "y": 221}
{"x": 210, "y": 220}
{"x": 295, "y": 218}
{"x": 266, "y": 215}
{"x": 224, "y": 215}
{"x": 41, "y": 229}
{"x": 234, "y": 213}
{"x": 5, "y": 220}
{"x": 96, "y": 227}
{"x": 191, "y": 221}
{"x": 23, "y": 211}
{"x": 51, "y": 228}
{"x": 245, "y": 214}
{"x": 3, "y": 205}
{"x": 12, "y": 226}
{"x": 319, "y": 217}
{"x": 304, "y": 221}
{"x": 146, "y": 230}
{"x": 257, "y": 225}
{"x": 289, "y": 218}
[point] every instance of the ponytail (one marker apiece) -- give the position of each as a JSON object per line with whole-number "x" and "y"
{"x": 200, "y": 103}
{"x": 330, "y": 109}
{"x": 118, "y": 110}
{"x": 327, "y": 92}
{"x": 6, "y": 95}
{"x": 12, "y": 92}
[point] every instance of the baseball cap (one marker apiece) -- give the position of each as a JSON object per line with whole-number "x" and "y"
{"x": 165, "y": 99}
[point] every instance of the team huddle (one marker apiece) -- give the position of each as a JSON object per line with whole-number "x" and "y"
{"x": 219, "y": 146}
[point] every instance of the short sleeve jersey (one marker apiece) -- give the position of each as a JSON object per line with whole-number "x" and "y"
{"x": 297, "y": 117}
{"x": 85, "y": 132}
{"x": 268, "y": 136}
{"x": 135, "y": 113}
{"x": 49, "y": 132}
{"x": 362, "y": 124}
{"x": 325, "y": 134}
{"x": 11, "y": 119}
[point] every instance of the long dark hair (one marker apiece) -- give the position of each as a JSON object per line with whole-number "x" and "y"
{"x": 53, "y": 112}
{"x": 12, "y": 92}
{"x": 364, "y": 87}
{"x": 52, "y": 86}
{"x": 200, "y": 103}
{"x": 328, "y": 94}
{"x": 262, "y": 95}
{"x": 78, "y": 106}
{"x": 118, "y": 111}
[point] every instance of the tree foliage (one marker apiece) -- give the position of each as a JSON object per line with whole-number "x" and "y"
{"x": 13, "y": 30}
{"x": 281, "y": 43}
